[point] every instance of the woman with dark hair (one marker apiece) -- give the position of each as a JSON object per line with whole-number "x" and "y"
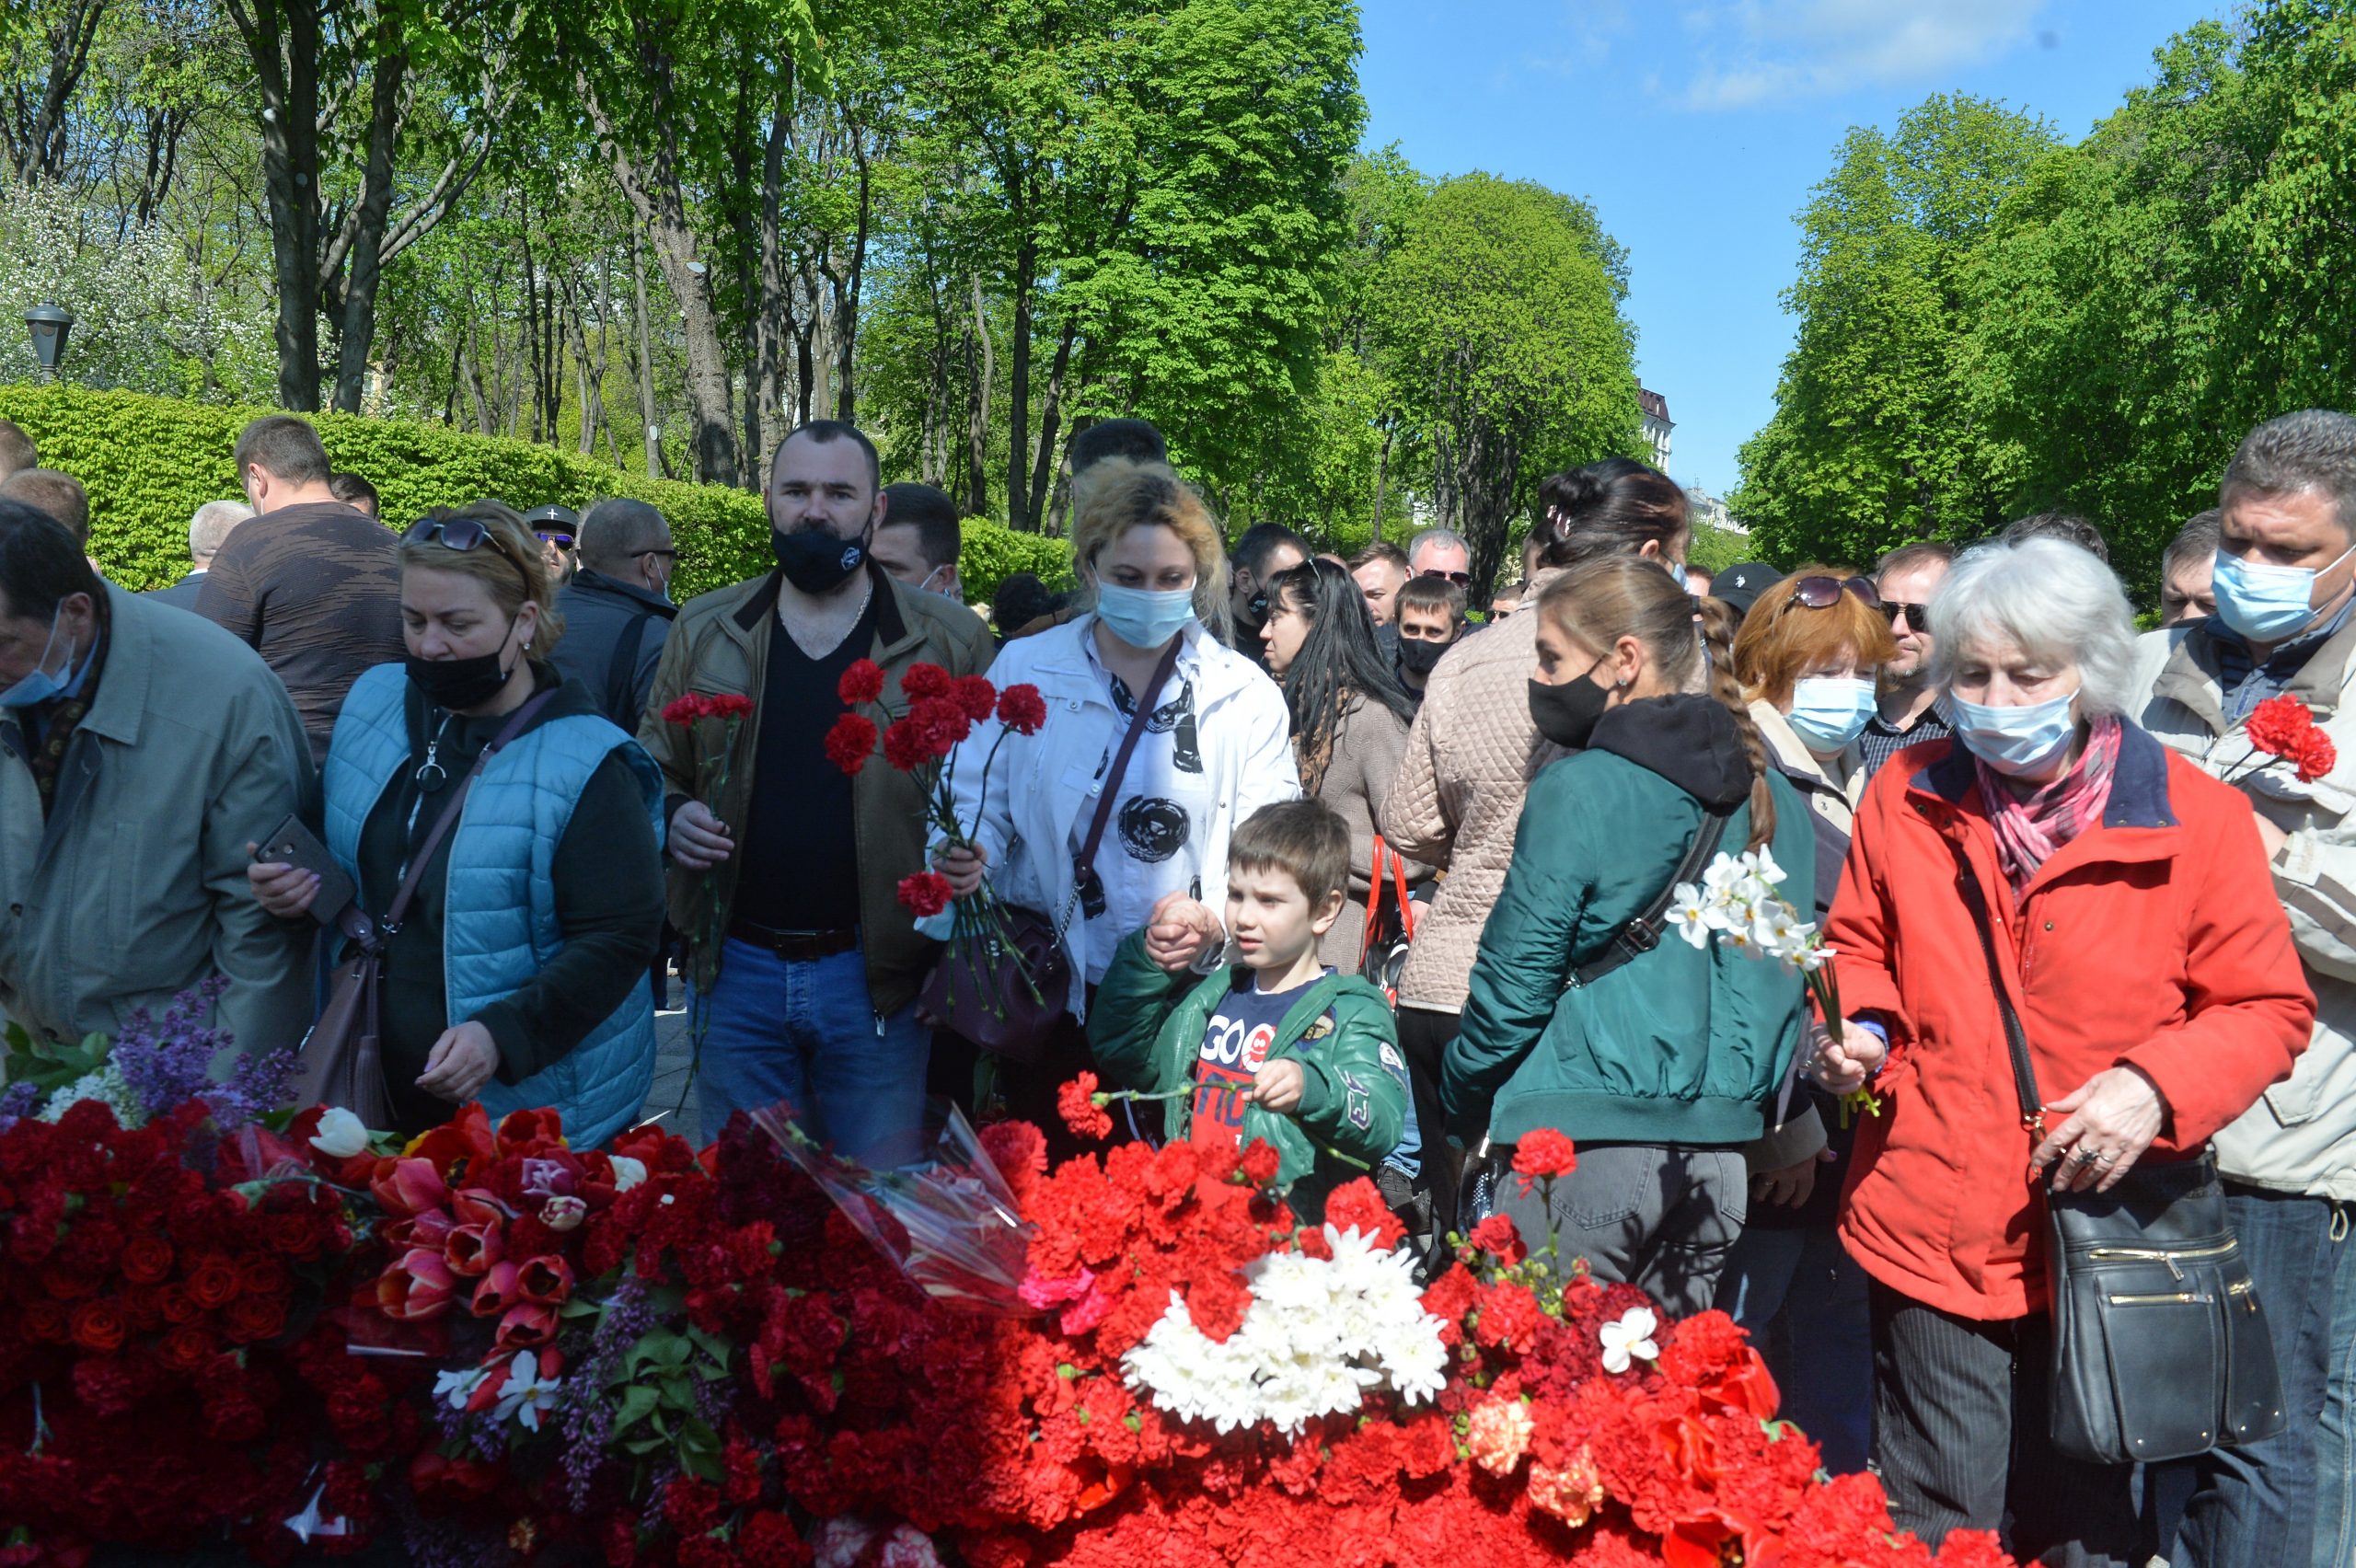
{"x": 1349, "y": 721}
{"x": 1474, "y": 748}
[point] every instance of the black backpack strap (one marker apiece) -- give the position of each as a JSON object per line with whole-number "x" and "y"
{"x": 621, "y": 672}
{"x": 1642, "y": 934}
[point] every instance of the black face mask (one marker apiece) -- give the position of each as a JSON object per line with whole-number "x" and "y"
{"x": 817, "y": 560}
{"x": 1419, "y": 658}
{"x": 459, "y": 683}
{"x": 1566, "y": 714}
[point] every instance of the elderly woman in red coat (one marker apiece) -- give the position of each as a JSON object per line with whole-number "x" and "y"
{"x": 2142, "y": 943}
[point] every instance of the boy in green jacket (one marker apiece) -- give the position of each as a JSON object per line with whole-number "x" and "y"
{"x": 1276, "y": 1046}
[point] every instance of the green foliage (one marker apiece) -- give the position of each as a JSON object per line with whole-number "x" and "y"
{"x": 149, "y": 462}
{"x": 48, "y": 1065}
{"x": 1498, "y": 320}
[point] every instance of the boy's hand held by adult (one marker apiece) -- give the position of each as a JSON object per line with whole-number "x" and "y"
{"x": 1179, "y": 932}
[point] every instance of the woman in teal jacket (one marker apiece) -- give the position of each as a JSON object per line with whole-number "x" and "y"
{"x": 1656, "y": 1060}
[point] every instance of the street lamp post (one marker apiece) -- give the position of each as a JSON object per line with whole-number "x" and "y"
{"x": 49, "y": 323}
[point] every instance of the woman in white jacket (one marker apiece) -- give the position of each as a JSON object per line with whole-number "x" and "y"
{"x": 1216, "y": 748}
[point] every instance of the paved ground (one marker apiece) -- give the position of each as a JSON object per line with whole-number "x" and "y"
{"x": 672, "y": 1054}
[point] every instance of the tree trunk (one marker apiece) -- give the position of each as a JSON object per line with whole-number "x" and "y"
{"x": 1381, "y": 477}
{"x": 1043, "y": 467}
{"x": 283, "y": 45}
{"x": 474, "y": 383}
{"x": 645, "y": 362}
{"x": 982, "y": 369}
{"x": 35, "y": 134}
{"x": 776, "y": 285}
{"x": 847, "y": 291}
{"x": 1018, "y": 394}
{"x": 365, "y": 254}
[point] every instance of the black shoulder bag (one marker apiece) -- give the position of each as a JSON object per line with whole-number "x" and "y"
{"x": 2160, "y": 1348}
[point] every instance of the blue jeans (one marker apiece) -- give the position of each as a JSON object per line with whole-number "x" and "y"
{"x": 1804, "y": 1300}
{"x": 806, "y": 1035}
{"x": 2255, "y": 1507}
{"x": 2335, "y": 1436}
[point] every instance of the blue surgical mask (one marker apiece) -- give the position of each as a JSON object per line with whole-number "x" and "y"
{"x": 2019, "y": 741}
{"x": 41, "y": 685}
{"x": 1829, "y": 712}
{"x": 2266, "y": 602}
{"x": 1144, "y": 617}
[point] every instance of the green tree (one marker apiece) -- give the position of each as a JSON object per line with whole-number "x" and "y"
{"x": 1872, "y": 441}
{"x": 1500, "y": 324}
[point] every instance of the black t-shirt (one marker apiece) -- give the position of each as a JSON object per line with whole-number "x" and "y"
{"x": 800, "y": 870}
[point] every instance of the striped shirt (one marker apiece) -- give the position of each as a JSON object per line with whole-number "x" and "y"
{"x": 2243, "y": 682}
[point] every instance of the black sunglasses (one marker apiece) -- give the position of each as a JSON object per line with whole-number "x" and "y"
{"x": 553, "y": 538}
{"x": 1917, "y": 615}
{"x": 457, "y": 534}
{"x": 1461, "y": 579}
{"x": 1824, "y": 592}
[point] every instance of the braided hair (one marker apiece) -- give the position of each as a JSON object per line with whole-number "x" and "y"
{"x": 1691, "y": 642}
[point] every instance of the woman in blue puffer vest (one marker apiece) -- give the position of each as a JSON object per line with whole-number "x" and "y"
{"x": 518, "y": 974}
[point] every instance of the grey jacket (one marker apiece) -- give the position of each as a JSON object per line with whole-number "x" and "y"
{"x": 2300, "y": 1135}
{"x": 182, "y": 594}
{"x": 598, "y": 614}
{"x": 134, "y": 887}
{"x": 1368, "y": 746}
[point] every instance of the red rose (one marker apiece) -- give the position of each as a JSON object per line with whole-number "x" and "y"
{"x": 925, "y": 894}
{"x": 1261, "y": 1162}
{"x": 2278, "y": 725}
{"x": 2317, "y": 756}
{"x": 255, "y": 1318}
{"x": 851, "y": 742}
{"x": 864, "y": 682}
{"x": 1541, "y": 1156}
{"x": 923, "y": 681}
{"x": 1075, "y": 1103}
{"x": 975, "y": 695}
{"x": 731, "y": 707}
{"x": 212, "y": 1284}
{"x": 186, "y": 1349}
{"x": 905, "y": 747}
{"x": 46, "y": 1320}
{"x": 146, "y": 1260}
{"x": 1022, "y": 710}
{"x": 98, "y": 1326}
{"x": 685, "y": 710}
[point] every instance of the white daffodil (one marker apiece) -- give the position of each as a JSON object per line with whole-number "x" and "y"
{"x": 527, "y": 1395}
{"x": 1760, "y": 863}
{"x": 1689, "y": 913}
{"x": 459, "y": 1387}
{"x": 341, "y": 1135}
{"x": 1725, "y": 873}
{"x": 1630, "y": 1339}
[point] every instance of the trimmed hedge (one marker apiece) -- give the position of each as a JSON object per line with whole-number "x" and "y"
{"x": 149, "y": 462}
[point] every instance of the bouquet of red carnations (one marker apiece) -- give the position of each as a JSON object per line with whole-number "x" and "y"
{"x": 925, "y": 743}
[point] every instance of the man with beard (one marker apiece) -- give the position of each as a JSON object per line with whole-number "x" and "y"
{"x": 1909, "y": 712}
{"x": 789, "y": 889}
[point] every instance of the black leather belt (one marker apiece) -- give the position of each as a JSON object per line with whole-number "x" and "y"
{"x": 795, "y": 946}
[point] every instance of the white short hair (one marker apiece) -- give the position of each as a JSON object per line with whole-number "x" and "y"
{"x": 2053, "y": 600}
{"x": 211, "y": 526}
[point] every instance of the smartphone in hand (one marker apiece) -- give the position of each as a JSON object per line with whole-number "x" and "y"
{"x": 296, "y": 845}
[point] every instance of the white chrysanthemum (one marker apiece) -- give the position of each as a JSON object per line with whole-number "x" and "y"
{"x": 107, "y": 1087}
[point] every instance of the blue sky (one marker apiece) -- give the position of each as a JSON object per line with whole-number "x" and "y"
{"x": 1697, "y": 127}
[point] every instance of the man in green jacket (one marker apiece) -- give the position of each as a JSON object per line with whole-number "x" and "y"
{"x": 142, "y": 749}
{"x": 1276, "y": 1047}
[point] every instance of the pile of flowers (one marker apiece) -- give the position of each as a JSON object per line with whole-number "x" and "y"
{"x": 484, "y": 1347}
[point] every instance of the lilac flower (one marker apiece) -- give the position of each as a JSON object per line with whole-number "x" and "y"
{"x": 17, "y": 1102}
{"x": 585, "y": 1412}
{"x": 164, "y": 1066}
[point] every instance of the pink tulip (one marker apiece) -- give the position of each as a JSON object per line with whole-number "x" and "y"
{"x": 473, "y": 1249}
{"x": 411, "y": 1186}
{"x": 429, "y": 1229}
{"x": 546, "y": 1280}
{"x": 525, "y": 1326}
{"x": 473, "y": 1205}
{"x": 417, "y": 1287}
{"x": 497, "y": 1292}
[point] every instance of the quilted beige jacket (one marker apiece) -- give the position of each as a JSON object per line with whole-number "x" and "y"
{"x": 1471, "y": 755}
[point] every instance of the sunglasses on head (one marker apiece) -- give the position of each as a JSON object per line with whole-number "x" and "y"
{"x": 456, "y": 534}
{"x": 1918, "y": 616}
{"x": 1461, "y": 579}
{"x": 1824, "y": 592}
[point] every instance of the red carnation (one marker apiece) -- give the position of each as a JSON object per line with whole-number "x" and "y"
{"x": 1359, "y": 1205}
{"x": 1541, "y": 1156}
{"x": 686, "y": 708}
{"x": 1022, "y": 710}
{"x": 1507, "y": 1317}
{"x": 864, "y": 682}
{"x": 1261, "y": 1162}
{"x": 851, "y": 742}
{"x": 2278, "y": 725}
{"x": 728, "y": 706}
{"x": 925, "y": 894}
{"x": 943, "y": 723}
{"x": 1497, "y": 1236}
{"x": 2317, "y": 756}
{"x": 975, "y": 695}
{"x": 1076, "y": 1103}
{"x": 905, "y": 747}
{"x": 923, "y": 681}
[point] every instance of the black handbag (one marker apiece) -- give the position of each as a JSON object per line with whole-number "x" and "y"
{"x": 2160, "y": 1346}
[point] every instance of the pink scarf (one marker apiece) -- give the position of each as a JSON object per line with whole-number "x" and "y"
{"x": 2029, "y": 831}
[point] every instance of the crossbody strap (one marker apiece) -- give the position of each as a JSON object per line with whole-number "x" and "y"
{"x": 1975, "y": 899}
{"x": 1642, "y": 934}
{"x": 1113, "y": 776}
{"x": 449, "y": 817}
